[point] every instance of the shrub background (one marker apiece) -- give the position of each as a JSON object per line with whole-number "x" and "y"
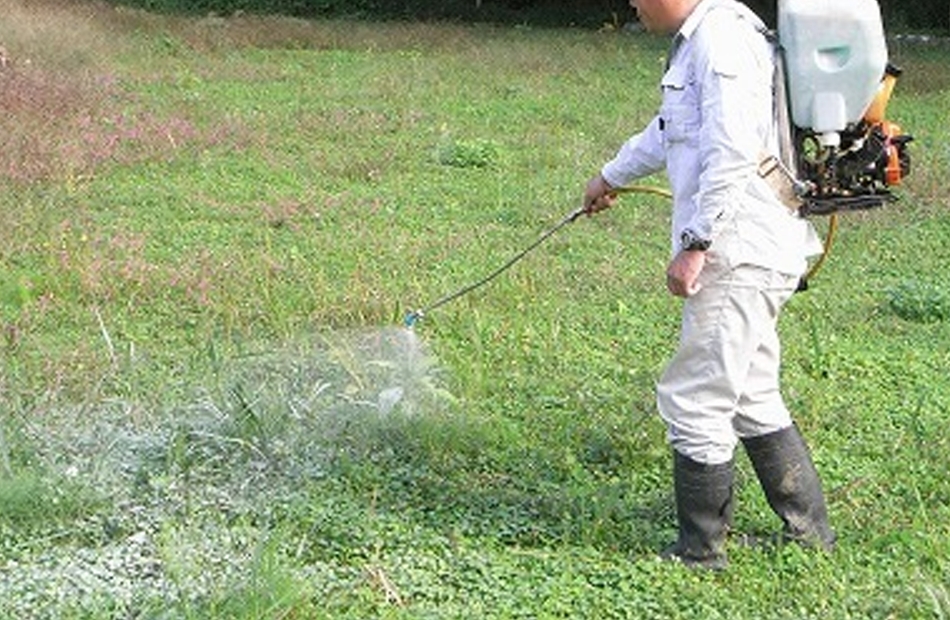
{"x": 933, "y": 15}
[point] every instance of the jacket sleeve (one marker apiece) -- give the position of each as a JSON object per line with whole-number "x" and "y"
{"x": 639, "y": 156}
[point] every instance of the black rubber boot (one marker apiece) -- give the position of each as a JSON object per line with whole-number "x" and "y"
{"x": 791, "y": 484}
{"x": 704, "y": 511}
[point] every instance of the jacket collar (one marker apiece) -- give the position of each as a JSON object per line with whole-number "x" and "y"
{"x": 700, "y": 11}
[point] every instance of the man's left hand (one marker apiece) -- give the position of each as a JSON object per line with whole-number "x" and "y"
{"x": 683, "y": 273}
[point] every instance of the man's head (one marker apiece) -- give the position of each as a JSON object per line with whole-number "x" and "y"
{"x": 663, "y": 15}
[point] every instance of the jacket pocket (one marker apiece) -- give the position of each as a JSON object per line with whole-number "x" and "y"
{"x": 679, "y": 113}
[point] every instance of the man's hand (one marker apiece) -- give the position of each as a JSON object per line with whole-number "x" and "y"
{"x": 683, "y": 272}
{"x": 598, "y": 195}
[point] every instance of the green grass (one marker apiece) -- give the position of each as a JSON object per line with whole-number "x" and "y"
{"x": 208, "y": 408}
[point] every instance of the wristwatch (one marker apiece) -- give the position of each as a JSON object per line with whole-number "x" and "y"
{"x": 691, "y": 241}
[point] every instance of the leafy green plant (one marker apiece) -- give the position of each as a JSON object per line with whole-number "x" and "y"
{"x": 920, "y": 302}
{"x": 466, "y": 153}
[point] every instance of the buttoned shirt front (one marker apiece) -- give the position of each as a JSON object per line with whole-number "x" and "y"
{"x": 714, "y": 126}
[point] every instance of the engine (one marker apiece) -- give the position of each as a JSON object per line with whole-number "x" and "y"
{"x": 841, "y": 151}
{"x": 857, "y": 174}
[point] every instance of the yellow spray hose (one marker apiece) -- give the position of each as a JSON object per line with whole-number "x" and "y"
{"x": 826, "y": 249}
{"x": 814, "y": 269}
{"x": 643, "y": 189}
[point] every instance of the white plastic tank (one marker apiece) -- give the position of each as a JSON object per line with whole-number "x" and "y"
{"x": 835, "y": 55}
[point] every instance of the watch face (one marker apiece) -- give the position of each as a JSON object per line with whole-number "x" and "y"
{"x": 689, "y": 241}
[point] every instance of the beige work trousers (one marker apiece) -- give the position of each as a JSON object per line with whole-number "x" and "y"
{"x": 723, "y": 382}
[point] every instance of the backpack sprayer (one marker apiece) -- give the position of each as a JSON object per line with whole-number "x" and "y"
{"x": 833, "y": 83}
{"x": 836, "y": 151}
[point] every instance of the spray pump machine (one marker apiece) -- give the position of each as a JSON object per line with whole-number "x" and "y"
{"x": 833, "y": 83}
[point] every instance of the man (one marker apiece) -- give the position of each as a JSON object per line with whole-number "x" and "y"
{"x": 738, "y": 253}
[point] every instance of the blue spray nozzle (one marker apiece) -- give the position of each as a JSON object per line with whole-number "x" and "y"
{"x": 412, "y": 318}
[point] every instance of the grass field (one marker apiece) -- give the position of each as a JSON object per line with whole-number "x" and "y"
{"x": 210, "y": 231}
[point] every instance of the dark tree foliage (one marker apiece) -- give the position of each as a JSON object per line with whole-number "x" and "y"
{"x": 532, "y": 12}
{"x": 930, "y": 15}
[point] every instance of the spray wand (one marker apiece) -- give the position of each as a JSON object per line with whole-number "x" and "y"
{"x": 417, "y": 315}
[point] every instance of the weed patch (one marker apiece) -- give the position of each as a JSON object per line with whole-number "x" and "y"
{"x": 467, "y": 153}
{"x": 60, "y": 128}
{"x": 920, "y": 302}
